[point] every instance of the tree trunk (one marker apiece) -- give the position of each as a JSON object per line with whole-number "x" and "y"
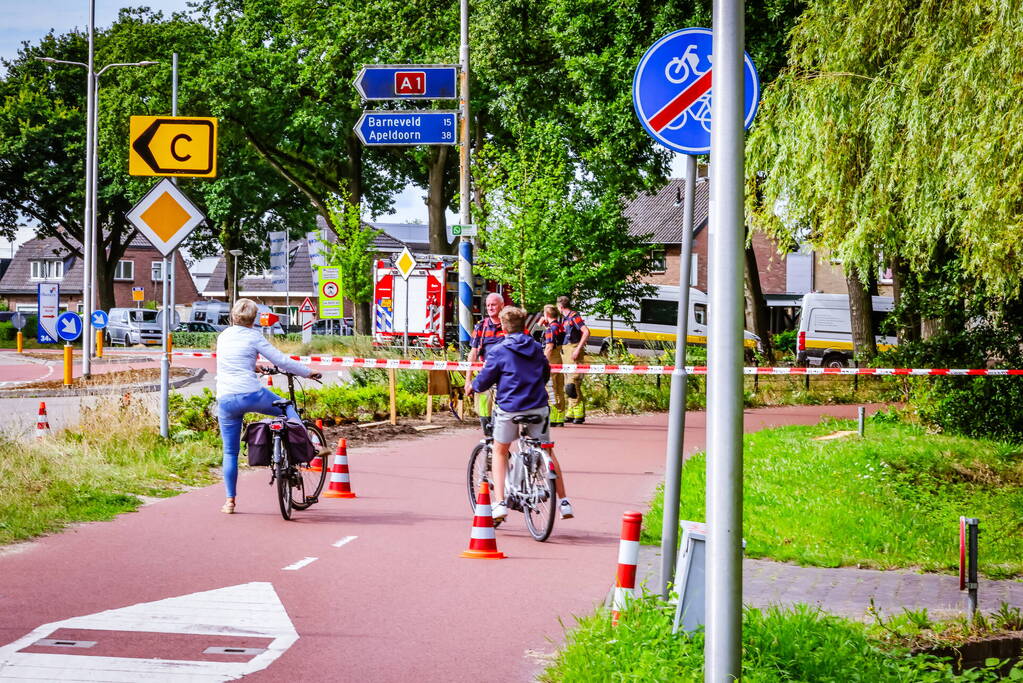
{"x": 908, "y": 326}
{"x": 756, "y": 304}
{"x": 860, "y": 309}
{"x": 109, "y": 251}
{"x": 362, "y": 318}
{"x": 435, "y": 200}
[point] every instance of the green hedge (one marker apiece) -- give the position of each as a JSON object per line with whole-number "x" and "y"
{"x": 195, "y": 340}
{"x": 8, "y": 333}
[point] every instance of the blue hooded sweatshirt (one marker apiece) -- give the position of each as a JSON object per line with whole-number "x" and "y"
{"x": 520, "y": 370}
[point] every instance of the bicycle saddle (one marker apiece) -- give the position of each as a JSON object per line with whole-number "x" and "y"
{"x": 527, "y": 419}
{"x": 281, "y": 403}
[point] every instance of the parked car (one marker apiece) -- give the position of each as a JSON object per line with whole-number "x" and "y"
{"x": 825, "y": 330}
{"x": 129, "y": 326}
{"x": 335, "y": 326}
{"x": 194, "y": 326}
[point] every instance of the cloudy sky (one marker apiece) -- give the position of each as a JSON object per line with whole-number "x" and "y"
{"x": 21, "y": 21}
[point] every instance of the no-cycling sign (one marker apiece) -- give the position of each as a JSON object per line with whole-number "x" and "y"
{"x": 671, "y": 90}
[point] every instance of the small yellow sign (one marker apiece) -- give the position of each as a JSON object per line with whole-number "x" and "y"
{"x": 138, "y": 294}
{"x": 406, "y": 263}
{"x": 180, "y": 146}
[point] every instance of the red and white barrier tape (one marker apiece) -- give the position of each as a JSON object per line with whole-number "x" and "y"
{"x": 611, "y": 369}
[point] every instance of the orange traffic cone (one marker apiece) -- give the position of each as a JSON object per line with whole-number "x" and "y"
{"x": 340, "y": 482}
{"x": 482, "y": 540}
{"x": 269, "y": 381}
{"x": 43, "y": 424}
{"x": 316, "y": 464}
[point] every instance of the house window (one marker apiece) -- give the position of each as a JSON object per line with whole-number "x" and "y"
{"x": 125, "y": 270}
{"x": 47, "y": 270}
{"x": 658, "y": 260}
{"x": 157, "y": 270}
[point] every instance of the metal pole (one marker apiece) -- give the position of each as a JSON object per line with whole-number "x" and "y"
{"x": 723, "y": 649}
{"x": 167, "y": 297}
{"x": 973, "y": 531}
{"x": 88, "y": 249}
{"x": 465, "y": 243}
{"x": 859, "y": 418}
{"x": 405, "y": 349}
{"x": 174, "y": 112}
{"x": 677, "y": 412}
{"x": 287, "y": 275}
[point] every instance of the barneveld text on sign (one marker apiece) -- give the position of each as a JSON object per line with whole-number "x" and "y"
{"x": 407, "y": 127}
{"x": 180, "y": 146}
{"x": 408, "y": 82}
{"x": 165, "y": 216}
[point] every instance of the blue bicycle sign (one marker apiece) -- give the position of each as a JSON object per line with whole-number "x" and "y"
{"x": 671, "y": 90}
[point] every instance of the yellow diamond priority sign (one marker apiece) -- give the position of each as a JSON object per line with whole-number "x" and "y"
{"x": 406, "y": 263}
{"x": 165, "y": 216}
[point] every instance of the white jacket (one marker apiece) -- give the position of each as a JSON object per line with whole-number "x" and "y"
{"x": 237, "y": 350}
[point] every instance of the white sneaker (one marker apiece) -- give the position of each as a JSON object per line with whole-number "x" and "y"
{"x": 500, "y": 511}
{"x": 566, "y": 509}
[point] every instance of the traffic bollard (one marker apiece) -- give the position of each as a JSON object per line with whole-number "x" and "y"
{"x": 68, "y": 360}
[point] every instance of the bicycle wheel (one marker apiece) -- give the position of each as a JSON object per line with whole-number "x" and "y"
{"x": 479, "y": 466}
{"x": 540, "y": 499}
{"x": 282, "y": 475}
{"x": 312, "y": 481}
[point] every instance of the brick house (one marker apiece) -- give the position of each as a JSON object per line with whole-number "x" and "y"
{"x": 784, "y": 276}
{"x": 47, "y": 260}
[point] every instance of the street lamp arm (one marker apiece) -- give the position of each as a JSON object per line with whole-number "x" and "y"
{"x": 109, "y": 66}
{"x": 51, "y": 60}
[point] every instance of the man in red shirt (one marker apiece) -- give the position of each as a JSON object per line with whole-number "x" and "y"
{"x": 487, "y": 333}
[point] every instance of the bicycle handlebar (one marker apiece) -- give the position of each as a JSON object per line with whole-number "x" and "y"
{"x": 274, "y": 370}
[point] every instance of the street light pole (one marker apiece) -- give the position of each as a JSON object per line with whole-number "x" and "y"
{"x": 234, "y": 290}
{"x": 89, "y": 238}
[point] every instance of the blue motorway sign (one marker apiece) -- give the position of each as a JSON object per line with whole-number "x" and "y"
{"x": 407, "y": 127}
{"x": 100, "y": 319}
{"x": 408, "y": 82}
{"x": 671, "y": 90}
{"x": 69, "y": 326}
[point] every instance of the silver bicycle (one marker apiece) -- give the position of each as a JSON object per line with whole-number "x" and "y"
{"x": 529, "y": 488}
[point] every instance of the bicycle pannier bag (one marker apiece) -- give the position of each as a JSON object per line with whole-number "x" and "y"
{"x": 259, "y": 438}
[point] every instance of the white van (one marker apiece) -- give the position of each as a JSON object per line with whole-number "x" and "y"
{"x": 655, "y": 319}
{"x": 825, "y": 333}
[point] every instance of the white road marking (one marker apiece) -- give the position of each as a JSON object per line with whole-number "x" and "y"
{"x": 246, "y": 610}
{"x": 346, "y": 539}
{"x": 301, "y": 563}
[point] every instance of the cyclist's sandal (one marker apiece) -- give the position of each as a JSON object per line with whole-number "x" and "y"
{"x": 228, "y": 508}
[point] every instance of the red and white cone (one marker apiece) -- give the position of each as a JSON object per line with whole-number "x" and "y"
{"x": 628, "y": 558}
{"x": 340, "y": 485}
{"x": 269, "y": 381}
{"x": 42, "y": 424}
{"x": 316, "y": 464}
{"x": 482, "y": 539}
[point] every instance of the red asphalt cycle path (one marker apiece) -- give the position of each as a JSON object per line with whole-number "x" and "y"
{"x": 396, "y": 603}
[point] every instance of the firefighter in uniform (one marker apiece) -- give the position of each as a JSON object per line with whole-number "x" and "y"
{"x": 573, "y": 351}
{"x": 487, "y": 333}
{"x": 553, "y": 338}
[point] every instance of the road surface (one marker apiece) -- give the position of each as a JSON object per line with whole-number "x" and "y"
{"x": 370, "y": 589}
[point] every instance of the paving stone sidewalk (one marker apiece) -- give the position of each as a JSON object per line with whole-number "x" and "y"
{"x": 847, "y": 591}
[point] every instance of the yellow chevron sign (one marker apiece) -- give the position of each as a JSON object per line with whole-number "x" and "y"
{"x": 181, "y": 146}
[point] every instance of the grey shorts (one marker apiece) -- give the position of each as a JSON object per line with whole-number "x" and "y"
{"x": 506, "y": 431}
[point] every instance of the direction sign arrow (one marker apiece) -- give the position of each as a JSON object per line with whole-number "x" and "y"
{"x": 69, "y": 326}
{"x": 99, "y": 319}
{"x": 408, "y": 82}
{"x": 407, "y": 128}
{"x": 173, "y": 146}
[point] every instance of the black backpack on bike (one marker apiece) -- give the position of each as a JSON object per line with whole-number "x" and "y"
{"x": 259, "y": 438}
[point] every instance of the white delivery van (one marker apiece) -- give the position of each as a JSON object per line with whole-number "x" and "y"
{"x": 218, "y": 314}
{"x": 655, "y": 319}
{"x": 825, "y": 331}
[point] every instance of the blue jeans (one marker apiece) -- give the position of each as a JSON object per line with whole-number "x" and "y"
{"x": 230, "y": 411}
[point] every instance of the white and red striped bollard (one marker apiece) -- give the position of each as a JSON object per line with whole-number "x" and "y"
{"x": 42, "y": 424}
{"x": 340, "y": 485}
{"x": 482, "y": 539}
{"x": 628, "y": 558}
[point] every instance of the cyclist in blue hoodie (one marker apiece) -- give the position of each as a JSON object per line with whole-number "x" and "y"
{"x": 519, "y": 369}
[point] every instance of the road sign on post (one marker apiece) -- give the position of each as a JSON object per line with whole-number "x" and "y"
{"x": 18, "y": 320}
{"x": 408, "y": 82}
{"x": 165, "y": 216}
{"x": 100, "y": 319}
{"x": 671, "y": 90}
{"x": 48, "y": 305}
{"x": 69, "y": 326}
{"x": 463, "y": 230}
{"x": 329, "y": 289}
{"x": 407, "y": 128}
{"x": 180, "y": 146}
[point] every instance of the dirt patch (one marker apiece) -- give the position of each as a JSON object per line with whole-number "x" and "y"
{"x": 405, "y": 429}
{"x": 108, "y": 379}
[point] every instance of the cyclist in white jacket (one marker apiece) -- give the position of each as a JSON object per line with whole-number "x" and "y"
{"x": 239, "y": 390}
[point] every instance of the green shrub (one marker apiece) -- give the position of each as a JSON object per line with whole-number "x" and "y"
{"x": 195, "y": 340}
{"x": 196, "y": 413}
{"x": 30, "y": 331}
{"x": 785, "y": 342}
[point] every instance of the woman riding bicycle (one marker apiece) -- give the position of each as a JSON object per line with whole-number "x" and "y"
{"x": 519, "y": 369}
{"x": 238, "y": 388}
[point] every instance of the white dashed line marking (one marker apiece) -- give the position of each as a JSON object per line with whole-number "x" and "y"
{"x": 301, "y": 563}
{"x": 346, "y": 539}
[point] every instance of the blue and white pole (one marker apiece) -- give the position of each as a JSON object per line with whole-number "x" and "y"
{"x": 465, "y": 243}
{"x": 464, "y": 293}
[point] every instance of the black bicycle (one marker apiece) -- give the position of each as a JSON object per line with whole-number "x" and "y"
{"x": 530, "y": 485}
{"x": 298, "y": 485}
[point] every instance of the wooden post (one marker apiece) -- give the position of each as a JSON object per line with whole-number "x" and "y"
{"x": 429, "y": 397}
{"x": 392, "y": 389}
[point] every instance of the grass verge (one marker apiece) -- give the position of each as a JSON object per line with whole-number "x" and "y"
{"x": 798, "y": 644}
{"x": 892, "y": 499}
{"x": 96, "y": 470}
